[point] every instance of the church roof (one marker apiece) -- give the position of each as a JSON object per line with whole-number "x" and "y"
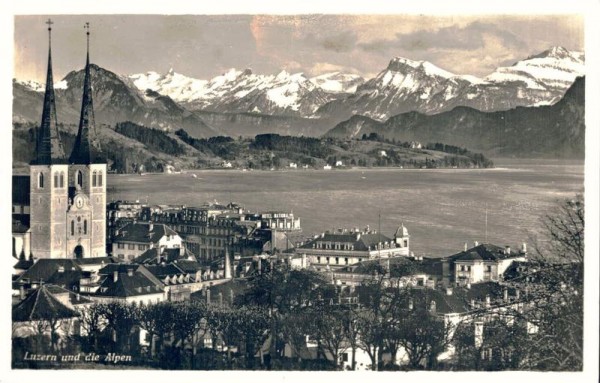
{"x": 45, "y": 268}
{"x": 49, "y": 149}
{"x": 41, "y": 304}
{"x": 20, "y": 190}
{"x": 82, "y": 149}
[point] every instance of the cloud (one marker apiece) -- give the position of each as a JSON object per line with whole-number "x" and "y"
{"x": 342, "y": 42}
{"x": 471, "y": 36}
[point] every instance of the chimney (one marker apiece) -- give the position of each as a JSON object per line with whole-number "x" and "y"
{"x": 22, "y": 292}
{"x": 432, "y": 307}
{"x": 304, "y": 265}
{"x": 259, "y": 266}
{"x": 115, "y": 276}
{"x": 524, "y": 248}
{"x": 231, "y": 296}
{"x": 158, "y": 256}
{"x": 476, "y": 243}
{"x": 487, "y": 301}
{"x": 77, "y": 297}
{"x": 448, "y": 290}
{"x": 150, "y": 227}
{"x": 505, "y": 294}
{"x": 469, "y": 285}
{"x": 466, "y": 246}
{"x": 478, "y": 330}
{"x": 507, "y": 250}
{"x": 130, "y": 272}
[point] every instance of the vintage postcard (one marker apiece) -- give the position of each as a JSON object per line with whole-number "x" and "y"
{"x": 291, "y": 190}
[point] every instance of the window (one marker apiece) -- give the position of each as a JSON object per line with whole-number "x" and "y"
{"x": 318, "y": 259}
{"x": 121, "y": 256}
{"x": 489, "y": 269}
{"x": 72, "y": 227}
{"x": 84, "y": 226}
{"x": 61, "y": 179}
{"x": 327, "y": 260}
{"x": 141, "y": 247}
{"x": 120, "y": 245}
{"x": 337, "y": 260}
{"x": 346, "y": 261}
{"x": 131, "y": 246}
{"x": 94, "y": 179}
{"x": 40, "y": 180}
{"x": 55, "y": 180}
{"x": 462, "y": 267}
{"x": 79, "y": 178}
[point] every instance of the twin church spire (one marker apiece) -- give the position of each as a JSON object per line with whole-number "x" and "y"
{"x": 49, "y": 147}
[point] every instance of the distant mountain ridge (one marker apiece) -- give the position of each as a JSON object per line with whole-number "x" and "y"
{"x": 546, "y": 131}
{"x": 241, "y": 103}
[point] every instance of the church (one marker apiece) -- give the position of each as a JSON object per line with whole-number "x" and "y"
{"x": 67, "y": 194}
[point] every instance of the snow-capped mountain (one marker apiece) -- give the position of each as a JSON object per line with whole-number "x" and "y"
{"x": 116, "y": 99}
{"x": 407, "y": 85}
{"x": 337, "y": 82}
{"x": 244, "y": 91}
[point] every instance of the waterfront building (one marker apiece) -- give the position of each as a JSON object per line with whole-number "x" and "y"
{"x": 67, "y": 195}
{"x": 136, "y": 238}
{"x": 335, "y": 250}
{"x": 480, "y": 263}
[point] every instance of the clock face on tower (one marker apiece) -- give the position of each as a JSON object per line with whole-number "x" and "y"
{"x": 79, "y": 202}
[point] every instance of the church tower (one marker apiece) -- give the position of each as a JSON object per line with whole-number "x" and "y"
{"x": 86, "y": 215}
{"x": 67, "y": 197}
{"x": 49, "y": 173}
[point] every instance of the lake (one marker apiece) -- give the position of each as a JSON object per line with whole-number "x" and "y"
{"x": 441, "y": 208}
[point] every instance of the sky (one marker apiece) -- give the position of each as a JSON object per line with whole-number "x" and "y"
{"x": 207, "y": 46}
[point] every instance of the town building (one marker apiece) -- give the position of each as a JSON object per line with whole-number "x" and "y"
{"x": 335, "y": 250}
{"x": 67, "y": 195}
{"x": 480, "y": 263}
{"x": 134, "y": 239}
{"x": 125, "y": 282}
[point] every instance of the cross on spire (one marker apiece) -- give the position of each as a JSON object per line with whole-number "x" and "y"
{"x": 87, "y": 28}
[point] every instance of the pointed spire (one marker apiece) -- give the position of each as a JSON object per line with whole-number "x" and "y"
{"x": 82, "y": 153}
{"x": 49, "y": 149}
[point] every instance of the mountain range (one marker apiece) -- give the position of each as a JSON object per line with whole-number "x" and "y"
{"x": 240, "y": 102}
{"x": 545, "y": 131}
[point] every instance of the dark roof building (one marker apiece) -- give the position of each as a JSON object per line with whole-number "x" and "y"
{"x": 41, "y": 304}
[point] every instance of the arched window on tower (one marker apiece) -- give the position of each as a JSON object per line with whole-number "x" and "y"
{"x": 94, "y": 182}
{"x": 41, "y": 180}
{"x": 85, "y": 226}
{"x": 55, "y": 180}
{"x": 100, "y": 178}
{"x": 79, "y": 178}
{"x": 72, "y": 227}
{"x": 61, "y": 179}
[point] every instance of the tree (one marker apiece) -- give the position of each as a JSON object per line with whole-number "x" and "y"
{"x": 92, "y": 322}
{"x": 552, "y": 303}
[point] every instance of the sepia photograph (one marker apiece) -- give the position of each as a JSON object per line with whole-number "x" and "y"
{"x": 301, "y": 191}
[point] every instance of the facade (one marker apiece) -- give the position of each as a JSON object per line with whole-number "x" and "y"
{"x": 481, "y": 263}
{"x": 67, "y": 195}
{"x": 344, "y": 248}
{"x": 135, "y": 239}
